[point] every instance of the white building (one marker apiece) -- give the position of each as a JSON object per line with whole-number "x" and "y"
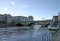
{"x": 22, "y": 19}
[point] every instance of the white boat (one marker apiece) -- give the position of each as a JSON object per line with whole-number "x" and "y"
{"x": 50, "y": 27}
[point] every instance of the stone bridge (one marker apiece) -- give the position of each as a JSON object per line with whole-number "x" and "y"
{"x": 42, "y": 23}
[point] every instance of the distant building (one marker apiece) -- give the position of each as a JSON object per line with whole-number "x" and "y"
{"x": 8, "y": 19}
{"x": 22, "y": 19}
{"x": 30, "y": 18}
{"x": 2, "y": 18}
{"x": 55, "y": 18}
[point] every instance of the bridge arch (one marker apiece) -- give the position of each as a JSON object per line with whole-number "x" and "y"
{"x": 30, "y": 24}
{"x": 47, "y": 25}
{"x": 19, "y": 24}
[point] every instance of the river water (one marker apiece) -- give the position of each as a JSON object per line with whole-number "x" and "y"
{"x": 20, "y": 34}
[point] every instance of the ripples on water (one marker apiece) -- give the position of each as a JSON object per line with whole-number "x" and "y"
{"x": 12, "y": 34}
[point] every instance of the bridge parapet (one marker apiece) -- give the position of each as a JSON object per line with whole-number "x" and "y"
{"x": 42, "y": 23}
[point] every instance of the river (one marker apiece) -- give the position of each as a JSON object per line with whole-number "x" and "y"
{"x": 20, "y": 34}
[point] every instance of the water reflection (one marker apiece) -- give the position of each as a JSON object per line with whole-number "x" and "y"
{"x": 13, "y": 34}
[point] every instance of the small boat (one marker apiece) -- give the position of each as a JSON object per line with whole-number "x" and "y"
{"x": 52, "y": 27}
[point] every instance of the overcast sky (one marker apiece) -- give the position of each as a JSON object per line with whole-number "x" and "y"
{"x": 39, "y": 9}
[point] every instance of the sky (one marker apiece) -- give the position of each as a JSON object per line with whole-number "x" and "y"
{"x": 39, "y": 9}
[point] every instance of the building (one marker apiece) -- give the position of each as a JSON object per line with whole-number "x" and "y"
{"x": 59, "y": 19}
{"x": 5, "y": 19}
{"x": 58, "y": 16}
{"x": 55, "y": 18}
{"x": 22, "y": 19}
{"x": 8, "y": 19}
{"x": 2, "y": 19}
{"x": 30, "y": 18}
